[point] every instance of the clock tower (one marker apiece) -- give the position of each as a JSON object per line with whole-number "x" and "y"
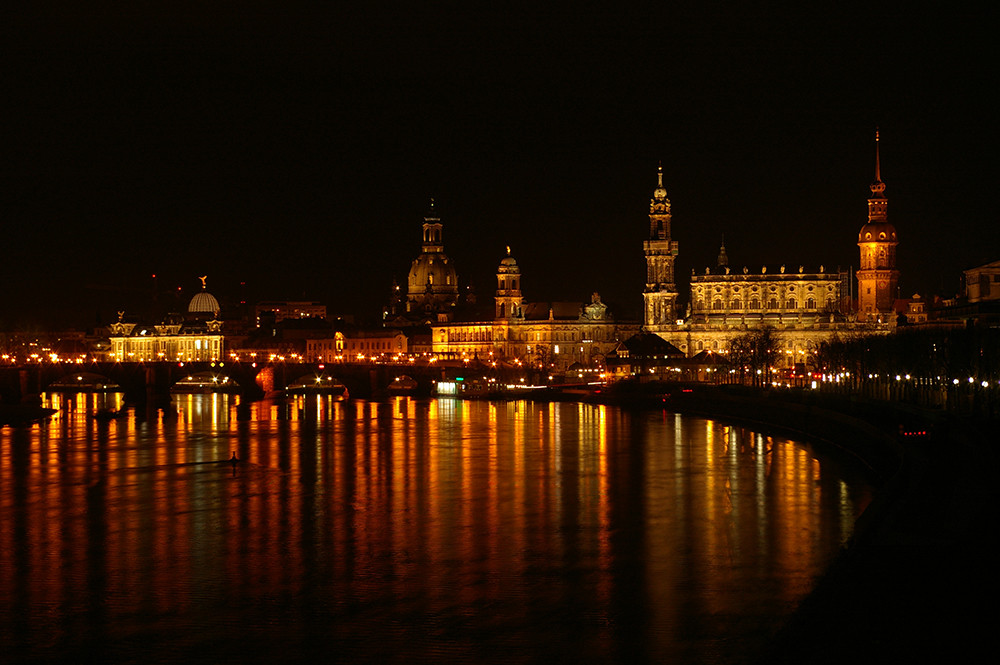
{"x": 660, "y": 295}
{"x": 877, "y": 276}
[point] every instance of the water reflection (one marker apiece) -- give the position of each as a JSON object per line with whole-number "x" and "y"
{"x": 405, "y": 530}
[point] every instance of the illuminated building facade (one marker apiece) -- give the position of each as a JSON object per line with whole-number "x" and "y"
{"x": 365, "y": 344}
{"x": 878, "y": 277}
{"x": 803, "y": 306}
{"x": 194, "y": 337}
{"x": 555, "y": 335}
{"x": 983, "y": 282}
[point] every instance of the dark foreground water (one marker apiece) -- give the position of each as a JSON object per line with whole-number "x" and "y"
{"x": 407, "y": 531}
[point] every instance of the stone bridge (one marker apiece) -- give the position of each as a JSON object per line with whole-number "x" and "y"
{"x": 151, "y": 382}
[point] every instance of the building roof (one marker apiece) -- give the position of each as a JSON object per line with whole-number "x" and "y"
{"x": 203, "y": 303}
{"x": 651, "y": 345}
{"x": 559, "y": 311}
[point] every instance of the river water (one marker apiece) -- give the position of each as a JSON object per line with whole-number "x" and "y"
{"x": 407, "y": 531}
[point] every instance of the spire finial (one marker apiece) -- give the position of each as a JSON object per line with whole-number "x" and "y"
{"x": 203, "y": 278}
{"x": 878, "y": 176}
{"x": 508, "y": 250}
{"x": 659, "y": 175}
{"x": 878, "y": 187}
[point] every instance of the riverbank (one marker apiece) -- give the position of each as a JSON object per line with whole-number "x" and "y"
{"x": 917, "y": 581}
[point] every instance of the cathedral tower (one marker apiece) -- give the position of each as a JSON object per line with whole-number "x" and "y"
{"x": 660, "y": 296}
{"x": 877, "y": 276}
{"x": 508, "y": 288}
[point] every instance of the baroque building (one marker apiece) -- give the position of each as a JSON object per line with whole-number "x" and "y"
{"x": 556, "y": 335}
{"x": 192, "y": 337}
{"x": 431, "y": 285}
{"x": 804, "y": 306}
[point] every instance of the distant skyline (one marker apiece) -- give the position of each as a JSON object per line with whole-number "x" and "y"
{"x": 298, "y": 152}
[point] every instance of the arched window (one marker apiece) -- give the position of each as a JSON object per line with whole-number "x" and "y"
{"x": 811, "y": 303}
{"x": 754, "y": 304}
{"x": 791, "y": 304}
{"x": 736, "y": 304}
{"x": 772, "y": 303}
{"x": 717, "y": 304}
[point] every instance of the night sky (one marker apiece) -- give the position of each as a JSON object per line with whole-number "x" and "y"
{"x": 297, "y": 152}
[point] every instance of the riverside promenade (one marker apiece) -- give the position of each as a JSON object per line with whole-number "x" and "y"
{"x": 919, "y": 582}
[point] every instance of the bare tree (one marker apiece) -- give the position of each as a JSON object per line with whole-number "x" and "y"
{"x": 755, "y": 352}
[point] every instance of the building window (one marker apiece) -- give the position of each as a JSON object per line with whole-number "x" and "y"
{"x": 791, "y": 304}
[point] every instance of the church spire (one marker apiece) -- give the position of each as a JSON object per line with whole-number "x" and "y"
{"x": 877, "y": 240}
{"x": 723, "y": 259}
{"x": 877, "y": 187}
{"x": 659, "y": 203}
{"x": 660, "y": 296}
{"x": 877, "y": 204}
{"x": 878, "y": 176}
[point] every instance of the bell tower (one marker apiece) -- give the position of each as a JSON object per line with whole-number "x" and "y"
{"x": 660, "y": 295}
{"x": 433, "y": 242}
{"x": 508, "y": 298}
{"x": 877, "y": 277}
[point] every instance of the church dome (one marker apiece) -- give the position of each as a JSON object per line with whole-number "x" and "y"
{"x": 435, "y": 272}
{"x": 508, "y": 263}
{"x": 202, "y": 303}
{"x": 877, "y": 232}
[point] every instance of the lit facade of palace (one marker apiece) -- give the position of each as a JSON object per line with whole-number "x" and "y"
{"x": 195, "y": 337}
{"x": 361, "y": 344}
{"x": 556, "y": 335}
{"x": 803, "y": 306}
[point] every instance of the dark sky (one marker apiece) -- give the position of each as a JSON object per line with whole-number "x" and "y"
{"x": 298, "y": 151}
